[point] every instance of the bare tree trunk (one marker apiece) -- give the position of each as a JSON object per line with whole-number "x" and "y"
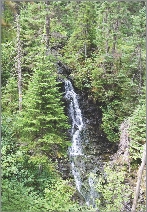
{"x": 2, "y": 6}
{"x": 115, "y": 28}
{"x": 140, "y": 71}
{"x": 140, "y": 171}
{"x": 107, "y": 32}
{"x": 48, "y": 49}
{"x": 18, "y": 61}
{"x": 85, "y": 49}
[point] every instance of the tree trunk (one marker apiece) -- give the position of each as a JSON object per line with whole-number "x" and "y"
{"x": 18, "y": 61}
{"x": 140, "y": 171}
{"x": 107, "y": 32}
{"x": 48, "y": 49}
{"x": 140, "y": 72}
{"x": 115, "y": 31}
{"x": 85, "y": 49}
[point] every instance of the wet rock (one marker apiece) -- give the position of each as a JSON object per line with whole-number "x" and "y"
{"x": 63, "y": 69}
{"x": 96, "y": 148}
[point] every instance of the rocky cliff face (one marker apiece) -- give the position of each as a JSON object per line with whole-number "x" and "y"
{"x": 96, "y": 148}
{"x": 95, "y": 145}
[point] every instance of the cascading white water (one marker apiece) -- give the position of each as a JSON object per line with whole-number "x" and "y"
{"x": 75, "y": 151}
{"x": 76, "y": 116}
{"x": 77, "y": 124}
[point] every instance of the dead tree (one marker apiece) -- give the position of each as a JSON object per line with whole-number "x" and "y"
{"x": 140, "y": 171}
{"x": 18, "y": 60}
{"x": 47, "y": 24}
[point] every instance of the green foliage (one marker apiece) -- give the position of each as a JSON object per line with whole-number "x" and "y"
{"x": 110, "y": 124}
{"x": 36, "y": 135}
{"x": 32, "y": 33}
{"x": 10, "y": 97}
{"x": 7, "y": 21}
{"x": 7, "y": 61}
{"x": 54, "y": 200}
{"x": 114, "y": 73}
{"x": 114, "y": 193}
{"x": 82, "y": 208}
{"x": 16, "y": 197}
{"x": 30, "y": 183}
{"x": 42, "y": 122}
{"x": 82, "y": 39}
{"x": 137, "y": 130}
{"x": 104, "y": 44}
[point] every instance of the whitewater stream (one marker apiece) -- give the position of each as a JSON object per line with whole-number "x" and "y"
{"x": 77, "y": 157}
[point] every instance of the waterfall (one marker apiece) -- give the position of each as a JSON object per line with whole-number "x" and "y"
{"x": 78, "y": 167}
{"x": 76, "y": 117}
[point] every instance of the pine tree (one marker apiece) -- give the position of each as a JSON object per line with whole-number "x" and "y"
{"x": 42, "y": 122}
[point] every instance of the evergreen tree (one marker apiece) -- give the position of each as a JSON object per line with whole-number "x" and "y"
{"x": 42, "y": 123}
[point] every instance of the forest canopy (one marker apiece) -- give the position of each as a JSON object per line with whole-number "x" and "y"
{"x": 103, "y": 45}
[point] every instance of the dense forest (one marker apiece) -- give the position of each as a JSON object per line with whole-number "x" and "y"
{"x": 101, "y": 47}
